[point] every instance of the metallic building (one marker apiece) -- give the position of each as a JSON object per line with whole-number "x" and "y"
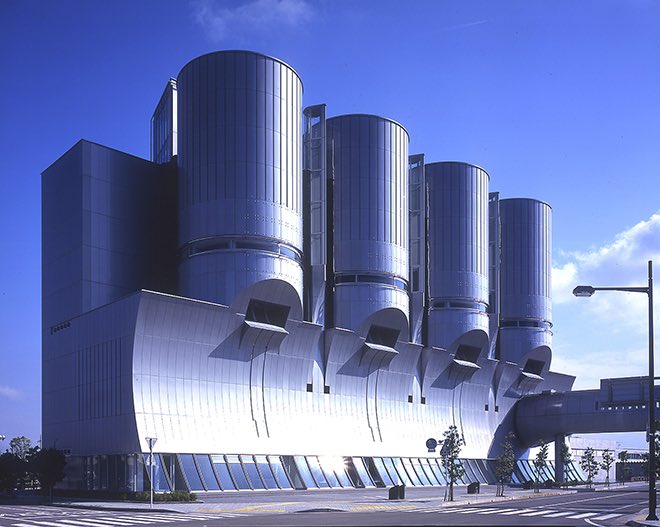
{"x": 164, "y": 126}
{"x": 418, "y": 253}
{"x": 370, "y": 222}
{"x": 458, "y": 258}
{"x": 323, "y": 326}
{"x": 239, "y": 177}
{"x": 107, "y": 229}
{"x": 526, "y": 306}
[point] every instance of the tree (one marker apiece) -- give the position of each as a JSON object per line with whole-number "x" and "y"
{"x": 47, "y": 466}
{"x": 451, "y": 448}
{"x": 608, "y": 461}
{"x": 12, "y": 470}
{"x": 589, "y": 464}
{"x": 623, "y": 459}
{"x": 504, "y": 464}
{"x": 540, "y": 462}
{"x": 566, "y": 455}
{"x": 20, "y": 447}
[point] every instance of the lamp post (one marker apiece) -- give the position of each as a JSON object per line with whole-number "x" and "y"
{"x": 151, "y": 441}
{"x": 587, "y": 290}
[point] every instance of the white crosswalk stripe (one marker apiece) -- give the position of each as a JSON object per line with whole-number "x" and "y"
{"x": 559, "y": 514}
{"x": 477, "y": 510}
{"x": 536, "y": 513}
{"x": 41, "y": 522}
{"x": 606, "y": 517}
{"x": 580, "y": 516}
{"x": 137, "y": 518}
{"x": 99, "y": 521}
{"x": 131, "y": 520}
{"x": 519, "y": 511}
{"x": 496, "y": 511}
{"x": 121, "y": 521}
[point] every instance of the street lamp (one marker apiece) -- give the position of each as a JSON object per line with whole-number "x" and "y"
{"x": 151, "y": 441}
{"x": 587, "y": 290}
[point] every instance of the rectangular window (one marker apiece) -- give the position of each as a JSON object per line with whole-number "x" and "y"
{"x": 407, "y": 465}
{"x": 358, "y": 463}
{"x": 317, "y": 472}
{"x": 237, "y": 473}
{"x": 305, "y": 474}
{"x": 402, "y": 471}
{"x": 265, "y": 472}
{"x": 190, "y": 470}
{"x": 420, "y": 471}
{"x": 205, "y": 468}
{"x": 252, "y": 473}
{"x": 380, "y": 466}
{"x": 279, "y": 472}
{"x": 267, "y": 313}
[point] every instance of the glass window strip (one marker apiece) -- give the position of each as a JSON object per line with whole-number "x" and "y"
{"x": 279, "y": 472}
{"x": 410, "y": 471}
{"x": 358, "y": 463}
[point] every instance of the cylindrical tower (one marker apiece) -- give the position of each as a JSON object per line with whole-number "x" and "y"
{"x": 526, "y": 306}
{"x": 240, "y": 180}
{"x": 370, "y": 215}
{"x": 458, "y": 256}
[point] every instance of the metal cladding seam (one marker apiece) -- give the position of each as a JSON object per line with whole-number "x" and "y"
{"x": 526, "y": 304}
{"x": 458, "y": 251}
{"x": 240, "y": 177}
{"x": 370, "y": 216}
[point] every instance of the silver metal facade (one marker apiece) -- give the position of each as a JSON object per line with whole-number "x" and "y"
{"x": 458, "y": 255}
{"x": 107, "y": 230}
{"x": 164, "y": 127}
{"x": 240, "y": 180}
{"x": 370, "y": 160}
{"x": 418, "y": 248}
{"x": 240, "y": 388}
{"x": 526, "y": 305}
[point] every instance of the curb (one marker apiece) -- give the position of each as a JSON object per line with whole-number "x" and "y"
{"x": 345, "y": 506}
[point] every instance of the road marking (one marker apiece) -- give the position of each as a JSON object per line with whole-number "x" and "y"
{"x": 537, "y": 513}
{"x": 606, "y": 517}
{"x": 90, "y": 523}
{"x": 496, "y": 511}
{"x": 151, "y": 518}
{"x": 584, "y": 515}
{"x": 517, "y": 511}
{"x": 476, "y": 510}
{"x": 558, "y": 514}
{"x": 138, "y": 519}
{"x": 50, "y": 524}
{"x": 593, "y": 499}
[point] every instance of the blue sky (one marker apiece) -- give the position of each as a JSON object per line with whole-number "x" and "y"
{"x": 557, "y": 99}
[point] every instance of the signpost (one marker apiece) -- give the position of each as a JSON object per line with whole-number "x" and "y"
{"x": 151, "y": 441}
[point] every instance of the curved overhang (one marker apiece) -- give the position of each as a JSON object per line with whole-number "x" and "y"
{"x": 273, "y": 291}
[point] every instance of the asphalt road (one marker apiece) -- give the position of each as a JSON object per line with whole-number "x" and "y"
{"x": 600, "y": 509}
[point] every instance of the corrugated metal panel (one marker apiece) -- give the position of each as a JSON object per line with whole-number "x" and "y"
{"x": 240, "y": 175}
{"x": 370, "y": 216}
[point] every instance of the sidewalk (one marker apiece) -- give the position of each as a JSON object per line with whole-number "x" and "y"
{"x": 350, "y": 500}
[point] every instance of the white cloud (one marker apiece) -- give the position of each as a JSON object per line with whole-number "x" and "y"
{"x": 222, "y": 23}
{"x": 10, "y": 393}
{"x": 623, "y": 262}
